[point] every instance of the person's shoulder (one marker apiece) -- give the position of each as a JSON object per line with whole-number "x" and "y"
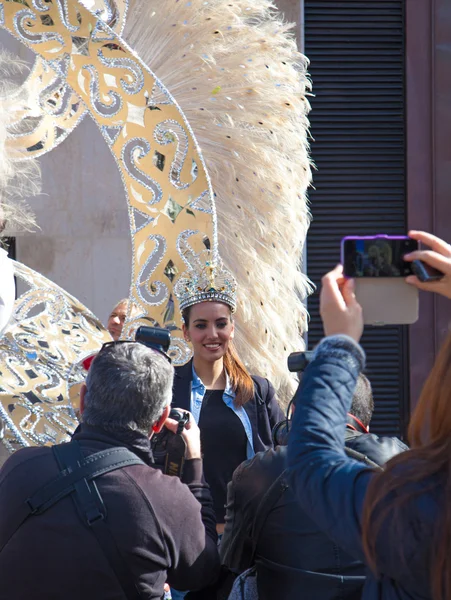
{"x": 263, "y": 388}
{"x": 184, "y": 371}
{"x": 263, "y": 382}
{"x": 25, "y": 455}
{"x": 263, "y": 468}
{"x": 378, "y": 449}
{"x": 26, "y": 464}
{"x": 156, "y": 485}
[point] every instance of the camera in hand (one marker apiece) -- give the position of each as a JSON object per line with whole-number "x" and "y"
{"x": 169, "y": 448}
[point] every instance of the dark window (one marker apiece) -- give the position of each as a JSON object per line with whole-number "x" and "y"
{"x": 356, "y": 51}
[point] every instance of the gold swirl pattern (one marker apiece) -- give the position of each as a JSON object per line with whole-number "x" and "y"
{"x": 59, "y": 110}
{"x": 168, "y": 190}
{"x": 40, "y": 362}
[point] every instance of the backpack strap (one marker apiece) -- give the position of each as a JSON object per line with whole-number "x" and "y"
{"x": 76, "y": 477}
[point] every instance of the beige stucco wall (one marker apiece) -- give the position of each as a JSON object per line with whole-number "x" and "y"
{"x": 83, "y": 243}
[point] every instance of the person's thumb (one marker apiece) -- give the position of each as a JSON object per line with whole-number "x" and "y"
{"x": 348, "y": 292}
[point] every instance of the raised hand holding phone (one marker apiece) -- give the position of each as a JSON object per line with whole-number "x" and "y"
{"x": 339, "y": 309}
{"x": 438, "y": 258}
{"x": 379, "y": 267}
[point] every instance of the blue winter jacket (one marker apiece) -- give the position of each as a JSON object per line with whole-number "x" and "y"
{"x": 331, "y": 487}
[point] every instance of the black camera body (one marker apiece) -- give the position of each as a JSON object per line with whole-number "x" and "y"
{"x": 157, "y": 338}
{"x": 297, "y": 363}
{"x": 169, "y": 448}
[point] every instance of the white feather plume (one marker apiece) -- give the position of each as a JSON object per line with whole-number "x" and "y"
{"x": 19, "y": 176}
{"x": 234, "y": 68}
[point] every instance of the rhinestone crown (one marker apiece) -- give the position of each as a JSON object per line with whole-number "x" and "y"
{"x": 209, "y": 282}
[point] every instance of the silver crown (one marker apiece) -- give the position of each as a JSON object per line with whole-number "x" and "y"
{"x": 209, "y": 282}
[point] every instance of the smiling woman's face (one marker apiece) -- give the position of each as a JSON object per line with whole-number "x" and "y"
{"x": 210, "y": 330}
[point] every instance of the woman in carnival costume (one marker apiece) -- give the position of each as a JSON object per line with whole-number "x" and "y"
{"x": 239, "y": 78}
{"x": 236, "y": 412}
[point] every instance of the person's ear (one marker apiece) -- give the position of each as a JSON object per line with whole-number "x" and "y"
{"x": 83, "y": 391}
{"x": 158, "y": 425}
{"x": 232, "y": 333}
{"x": 185, "y": 333}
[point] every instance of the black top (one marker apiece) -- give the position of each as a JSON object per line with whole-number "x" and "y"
{"x": 224, "y": 444}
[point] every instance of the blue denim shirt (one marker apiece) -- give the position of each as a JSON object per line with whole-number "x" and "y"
{"x": 197, "y": 395}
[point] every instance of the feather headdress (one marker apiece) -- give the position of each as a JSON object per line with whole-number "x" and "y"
{"x": 237, "y": 74}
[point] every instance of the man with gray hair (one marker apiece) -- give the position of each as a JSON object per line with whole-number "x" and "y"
{"x": 143, "y": 528}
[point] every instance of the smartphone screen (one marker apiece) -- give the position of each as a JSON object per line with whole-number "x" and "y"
{"x": 377, "y": 256}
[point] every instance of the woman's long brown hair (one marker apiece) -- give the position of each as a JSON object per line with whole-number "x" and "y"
{"x": 241, "y": 381}
{"x": 427, "y": 466}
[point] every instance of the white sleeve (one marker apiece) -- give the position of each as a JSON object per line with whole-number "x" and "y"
{"x": 7, "y": 289}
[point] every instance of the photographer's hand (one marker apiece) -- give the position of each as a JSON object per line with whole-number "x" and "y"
{"x": 439, "y": 257}
{"x": 339, "y": 309}
{"x": 191, "y": 435}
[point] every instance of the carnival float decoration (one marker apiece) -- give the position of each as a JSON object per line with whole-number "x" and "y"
{"x": 203, "y": 106}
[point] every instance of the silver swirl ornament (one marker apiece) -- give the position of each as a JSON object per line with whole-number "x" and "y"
{"x": 56, "y": 115}
{"x": 41, "y": 354}
{"x": 133, "y": 82}
{"x": 107, "y": 104}
{"x": 132, "y": 152}
{"x": 170, "y": 132}
{"x": 24, "y": 23}
{"x": 152, "y": 293}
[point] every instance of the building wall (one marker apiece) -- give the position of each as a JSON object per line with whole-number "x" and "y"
{"x": 292, "y": 9}
{"x": 428, "y": 40}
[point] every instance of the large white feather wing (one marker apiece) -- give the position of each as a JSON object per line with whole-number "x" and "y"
{"x": 235, "y": 70}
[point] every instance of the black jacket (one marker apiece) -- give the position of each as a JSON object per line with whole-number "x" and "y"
{"x": 263, "y": 410}
{"x": 379, "y": 449}
{"x": 293, "y": 557}
{"x": 165, "y": 530}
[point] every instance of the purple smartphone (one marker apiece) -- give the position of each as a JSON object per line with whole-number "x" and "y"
{"x": 376, "y": 255}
